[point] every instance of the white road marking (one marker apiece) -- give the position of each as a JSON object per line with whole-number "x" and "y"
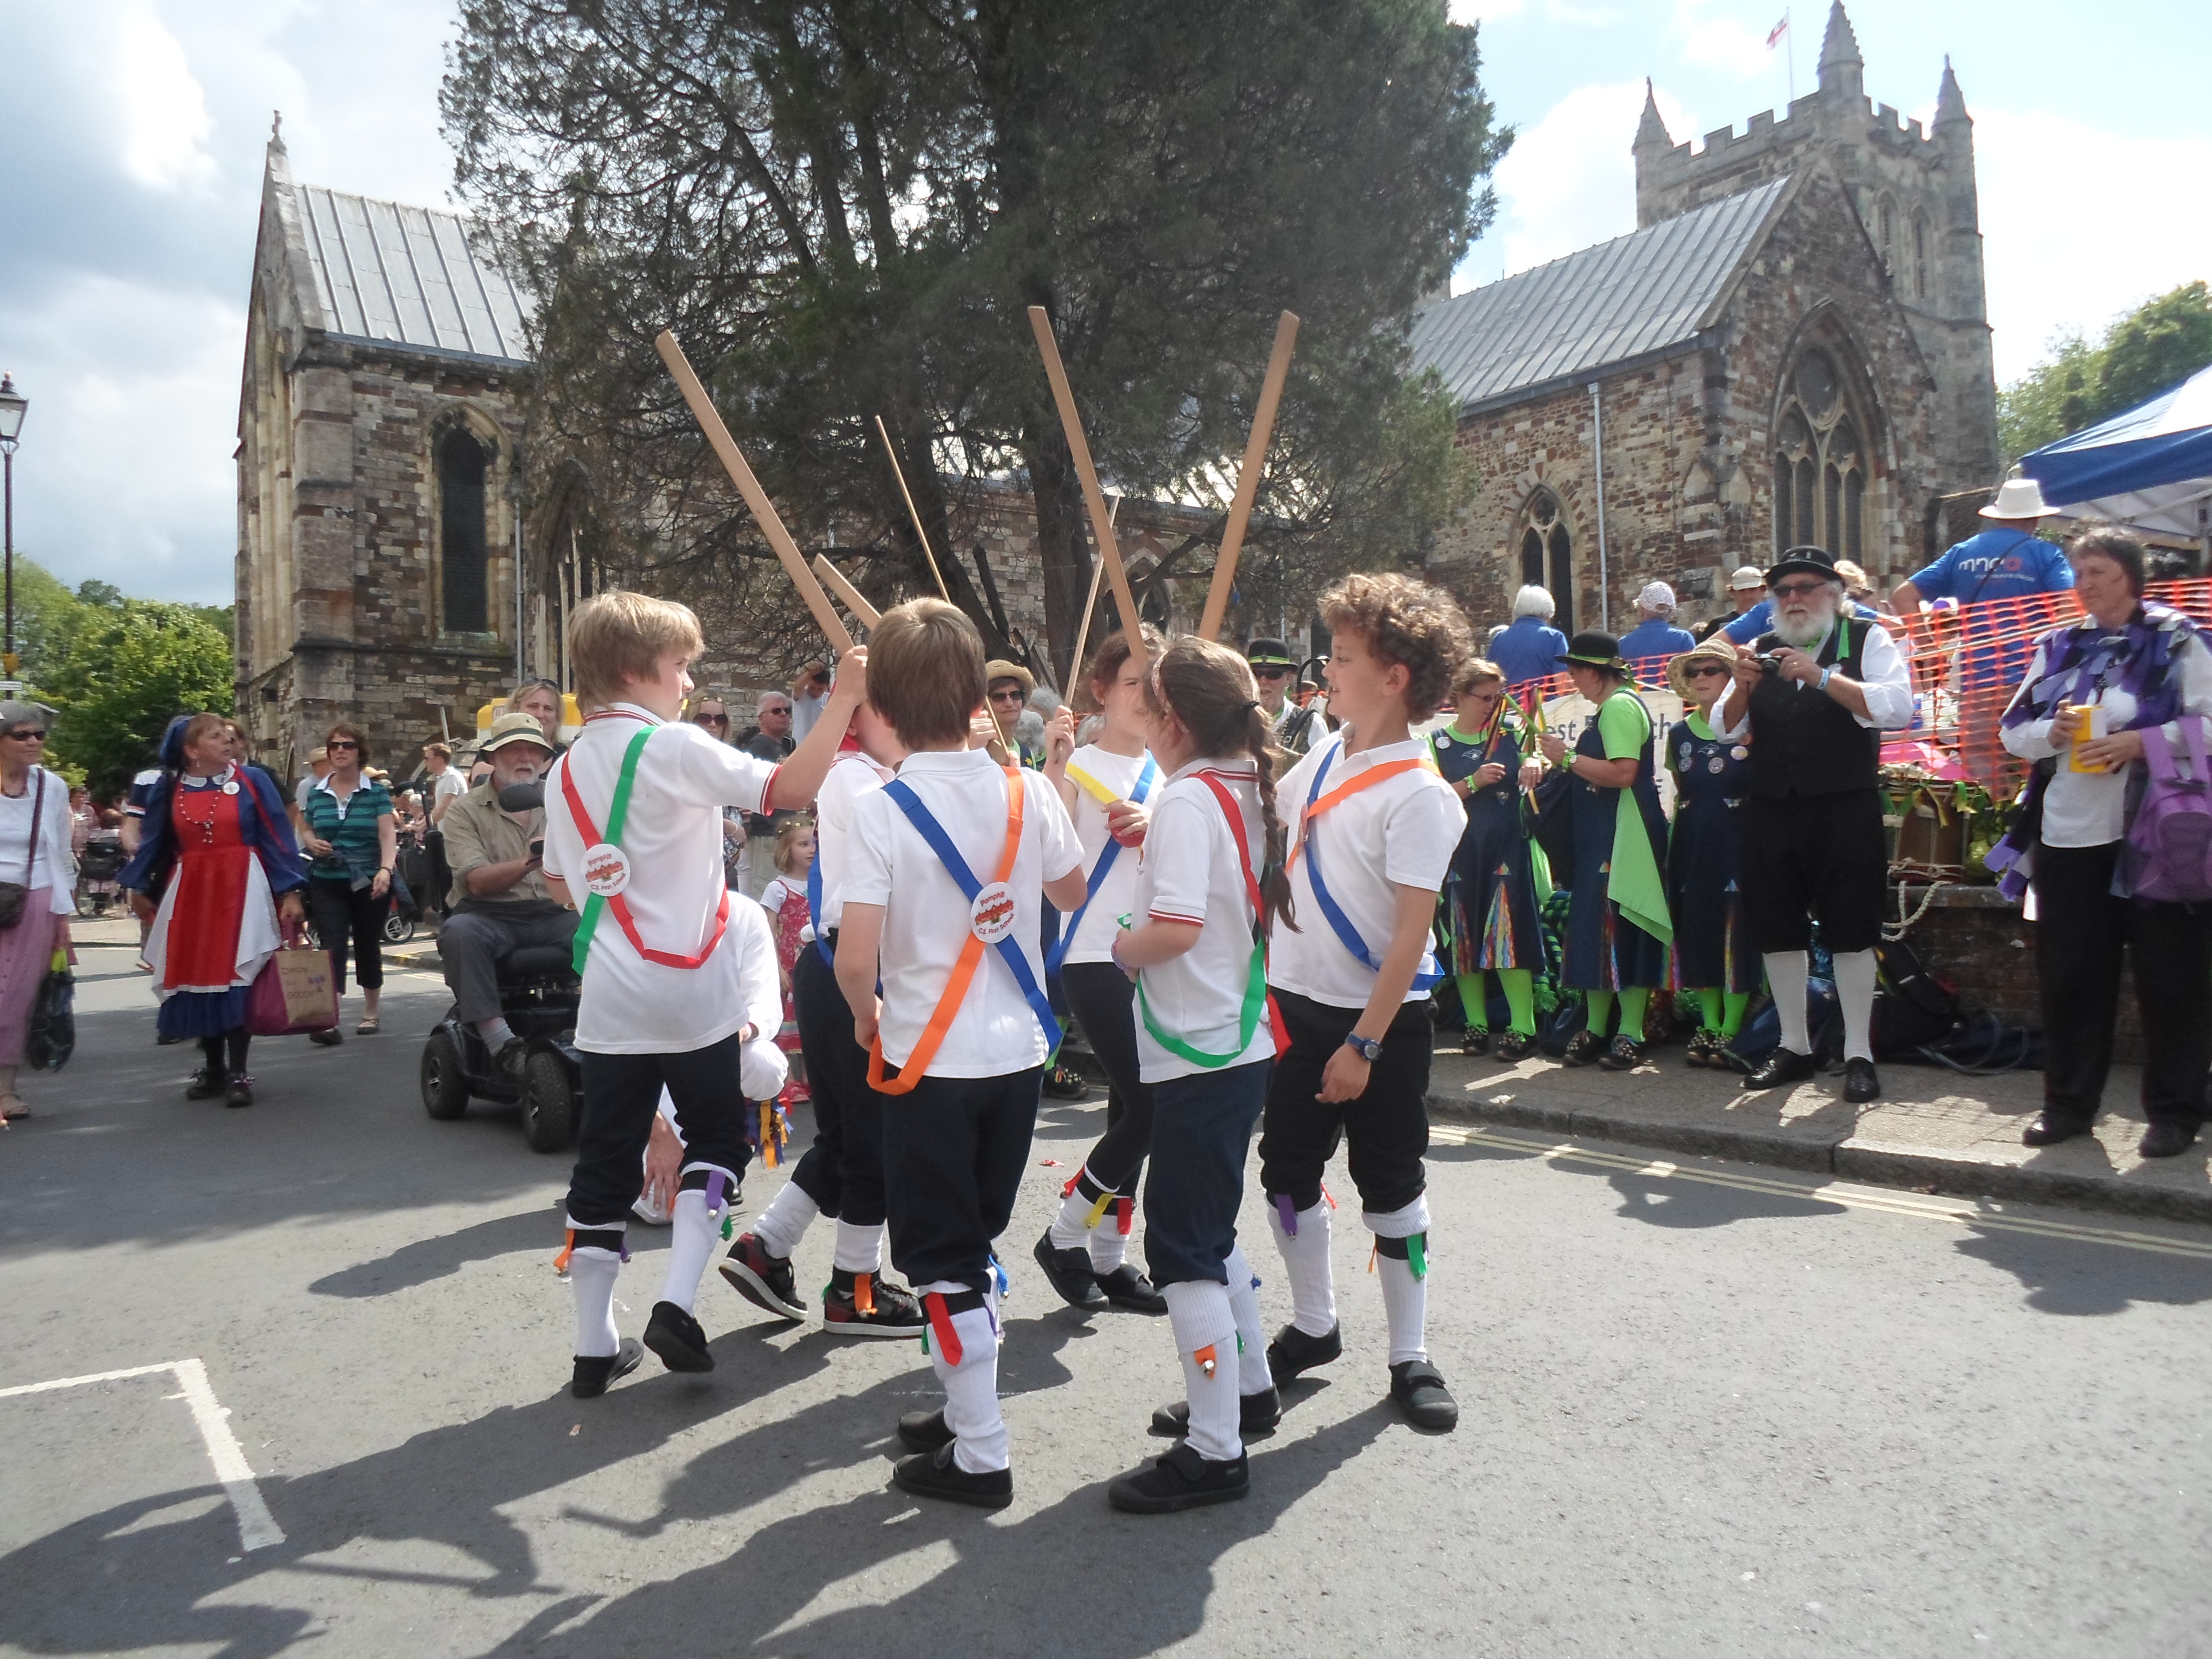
{"x": 256, "y": 1527}
{"x": 1925, "y": 1206}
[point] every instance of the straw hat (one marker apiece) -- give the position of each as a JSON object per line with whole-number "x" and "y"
{"x": 999, "y": 668}
{"x": 510, "y": 729}
{"x": 2017, "y": 498}
{"x": 1715, "y": 649}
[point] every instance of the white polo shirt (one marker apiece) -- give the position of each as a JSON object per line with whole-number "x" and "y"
{"x": 854, "y": 775}
{"x": 1117, "y": 776}
{"x": 1400, "y": 832}
{"x": 995, "y": 1032}
{"x": 1191, "y": 872}
{"x": 672, "y": 835}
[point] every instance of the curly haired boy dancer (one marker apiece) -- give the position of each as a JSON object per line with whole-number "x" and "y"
{"x": 1371, "y": 840}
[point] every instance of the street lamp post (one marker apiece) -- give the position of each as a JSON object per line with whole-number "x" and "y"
{"x": 13, "y": 404}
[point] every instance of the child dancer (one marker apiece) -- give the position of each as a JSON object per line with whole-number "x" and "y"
{"x": 1211, "y": 886}
{"x": 679, "y": 983}
{"x": 945, "y": 867}
{"x": 1714, "y": 956}
{"x": 841, "y": 1176}
{"x": 784, "y": 898}
{"x": 1109, "y": 783}
{"x": 1374, "y": 835}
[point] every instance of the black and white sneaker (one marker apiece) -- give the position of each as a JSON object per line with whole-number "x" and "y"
{"x": 890, "y": 1310}
{"x": 763, "y": 1279}
{"x": 1257, "y": 1414}
{"x": 1293, "y": 1351}
{"x": 1180, "y": 1480}
{"x": 678, "y": 1339}
{"x": 594, "y": 1371}
{"x": 1069, "y": 1273}
{"x": 937, "y": 1474}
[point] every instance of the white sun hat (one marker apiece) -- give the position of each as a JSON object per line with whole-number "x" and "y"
{"x": 2017, "y": 498}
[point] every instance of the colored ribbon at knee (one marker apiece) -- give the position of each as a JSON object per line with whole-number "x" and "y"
{"x": 716, "y": 1180}
{"x": 1127, "y": 1209}
{"x": 1289, "y": 1211}
{"x": 590, "y": 1238}
{"x": 568, "y": 1250}
{"x": 863, "y": 1293}
{"x": 1412, "y": 1250}
{"x": 1207, "y": 1359}
{"x": 1098, "y": 1210}
{"x": 941, "y": 1325}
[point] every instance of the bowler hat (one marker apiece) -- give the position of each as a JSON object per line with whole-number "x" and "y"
{"x": 1268, "y": 653}
{"x": 1813, "y": 561}
{"x": 1594, "y": 648}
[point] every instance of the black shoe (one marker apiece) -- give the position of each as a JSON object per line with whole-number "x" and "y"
{"x": 1514, "y": 1047}
{"x": 1069, "y": 1273}
{"x": 1293, "y": 1351}
{"x": 1703, "y": 1050}
{"x": 763, "y": 1279}
{"x": 514, "y": 1055}
{"x": 1474, "y": 1041}
{"x": 924, "y": 1432}
{"x": 1066, "y": 1083}
{"x": 1582, "y": 1048}
{"x": 594, "y": 1372}
{"x": 206, "y": 1085}
{"x": 1257, "y": 1414}
{"x": 677, "y": 1338}
{"x": 1125, "y": 1287}
{"x": 1860, "y": 1082}
{"x": 1783, "y": 1066}
{"x": 934, "y": 1474}
{"x": 240, "y": 1092}
{"x": 1624, "y": 1053}
{"x": 1180, "y": 1480}
{"x": 2049, "y": 1129}
{"x": 329, "y": 1039}
{"x": 2168, "y": 1140}
{"x": 892, "y": 1310}
{"x": 1419, "y": 1388}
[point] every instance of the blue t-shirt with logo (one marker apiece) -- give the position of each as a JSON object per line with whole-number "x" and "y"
{"x": 1998, "y": 564}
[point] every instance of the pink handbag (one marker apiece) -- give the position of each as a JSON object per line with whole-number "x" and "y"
{"x": 293, "y": 993}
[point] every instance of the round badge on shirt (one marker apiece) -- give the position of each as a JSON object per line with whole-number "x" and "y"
{"x": 606, "y": 869}
{"x": 1739, "y": 753}
{"x": 991, "y": 917}
{"x": 231, "y": 787}
{"x": 1715, "y": 765}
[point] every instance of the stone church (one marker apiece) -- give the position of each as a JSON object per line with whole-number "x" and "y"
{"x": 1793, "y": 346}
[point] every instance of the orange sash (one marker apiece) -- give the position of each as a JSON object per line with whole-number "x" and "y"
{"x": 1350, "y": 787}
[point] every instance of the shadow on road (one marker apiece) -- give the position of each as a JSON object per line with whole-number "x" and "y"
{"x": 428, "y": 1259}
{"x": 2082, "y": 1277}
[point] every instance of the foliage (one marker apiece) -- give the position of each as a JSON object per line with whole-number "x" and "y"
{"x": 128, "y": 668}
{"x": 2159, "y": 344}
{"x": 844, "y": 207}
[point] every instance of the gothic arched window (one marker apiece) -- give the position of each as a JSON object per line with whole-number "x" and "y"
{"x": 1919, "y": 256}
{"x": 461, "y": 534}
{"x": 1820, "y": 462}
{"x": 1885, "y": 233}
{"x": 1547, "y": 555}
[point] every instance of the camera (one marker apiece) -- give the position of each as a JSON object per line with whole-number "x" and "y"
{"x": 538, "y": 848}
{"x": 1771, "y": 661}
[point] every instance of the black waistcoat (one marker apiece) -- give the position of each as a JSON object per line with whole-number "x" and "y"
{"x": 1804, "y": 741}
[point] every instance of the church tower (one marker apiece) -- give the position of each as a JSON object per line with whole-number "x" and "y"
{"x": 1915, "y": 194}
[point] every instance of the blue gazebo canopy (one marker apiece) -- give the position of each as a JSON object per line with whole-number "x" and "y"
{"x": 2150, "y": 467}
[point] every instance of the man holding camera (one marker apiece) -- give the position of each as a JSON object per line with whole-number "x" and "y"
{"x": 1812, "y": 698}
{"x": 495, "y": 843}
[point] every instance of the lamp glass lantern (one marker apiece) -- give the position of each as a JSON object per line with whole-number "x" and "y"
{"x": 12, "y": 405}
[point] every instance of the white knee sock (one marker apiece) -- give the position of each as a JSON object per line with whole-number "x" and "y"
{"x": 1305, "y": 1259}
{"x": 784, "y": 1223}
{"x": 1072, "y": 1225}
{"x": 1205, "y": 1332}
{"x": 692, "y": 1236}
{"x": 1404, "y": 1294}
{"x": 860, "y": 1249}
{"x": 971, "y": 1387}
{"x": 591, "y": 1278}
{"x": 1252, "y": 1376}
{"x": 1110, "y": 1245}
{"x": 1786, "y": 974}
{"x": 1854, "y": 978}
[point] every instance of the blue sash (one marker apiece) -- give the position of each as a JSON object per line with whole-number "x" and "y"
{"x": 1009, "y": 948}
{"x": 1099, "y": 870}
{"x": 814, "y": 905}
{"x": 1424, "y": 977}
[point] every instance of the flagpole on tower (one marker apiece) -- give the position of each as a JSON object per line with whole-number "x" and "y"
{"x": 1788, "y": 52}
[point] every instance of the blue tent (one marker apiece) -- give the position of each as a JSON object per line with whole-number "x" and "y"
{"x": 2150, "y": 467}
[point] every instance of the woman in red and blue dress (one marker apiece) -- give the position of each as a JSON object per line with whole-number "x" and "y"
{"x": 219, "y": 846}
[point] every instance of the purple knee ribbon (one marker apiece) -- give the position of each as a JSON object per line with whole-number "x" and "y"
{"x": 715, "y": 1181}
{"x": 1289, "y": 1211}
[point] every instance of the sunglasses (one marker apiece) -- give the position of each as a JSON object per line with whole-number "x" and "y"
{"x": 1013, "y": 694}
{"x": 1796, "y": 590}
{"x": 333, "y": 748}
{"x": 1264, "y": 673}
{"x": 28, "y": 737}
{"x": 1705, "y": 671}
{"x": 716, "y": 720}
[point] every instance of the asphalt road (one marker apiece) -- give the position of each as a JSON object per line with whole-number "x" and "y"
{"x": 1708, "y": 1409}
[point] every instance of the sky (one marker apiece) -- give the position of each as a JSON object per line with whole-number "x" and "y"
{"x": 130, "y": 184}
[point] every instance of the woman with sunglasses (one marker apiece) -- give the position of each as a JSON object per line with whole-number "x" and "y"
{"x": 1715, "y": 958}
{"x": 34, "y": 855}
{"x": 353, "y": 841}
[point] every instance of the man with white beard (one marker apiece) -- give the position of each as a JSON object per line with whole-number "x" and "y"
{"x": 1812, "y": 698}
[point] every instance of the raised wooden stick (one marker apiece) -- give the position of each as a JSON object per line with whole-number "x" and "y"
{"x": 1101, "y": 521}
{"x": 763, "y": 510}
{"x": 921, "y": 535}
{"x": 1090, "y": 603}
{"x": 1247, "y": 478}
{"x": 867, "y": 613}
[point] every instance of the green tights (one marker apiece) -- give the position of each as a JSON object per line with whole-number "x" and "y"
{"x": 1723, "y": 1010}
{"x": 1520, "y": 987}
{"x": 1634, "y": 999}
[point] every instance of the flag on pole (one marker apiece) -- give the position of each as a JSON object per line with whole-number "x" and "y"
{"x": 1777, "y": 31}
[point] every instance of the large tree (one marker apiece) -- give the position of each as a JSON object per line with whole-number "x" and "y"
{"x": 843, "y": 207}
{"x": 2160, "y": 344}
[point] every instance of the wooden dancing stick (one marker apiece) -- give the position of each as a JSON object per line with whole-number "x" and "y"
{"x": 763, "y": 510}
{"x": 1247, "y": 478}
{"x": 867, "y": 613}
{"x": 1101, "y": 521}
{"x": 1090, "y": 603}
{"x": 921, "y": 535}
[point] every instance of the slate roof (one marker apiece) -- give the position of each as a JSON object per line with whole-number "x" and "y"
{"x": 1637, "y": 296}
{"x": 409, "y": 276}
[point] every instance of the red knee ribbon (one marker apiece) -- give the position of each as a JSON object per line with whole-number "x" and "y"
{"x": 940, "y": 1327}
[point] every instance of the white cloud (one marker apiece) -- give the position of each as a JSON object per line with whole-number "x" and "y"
{"x": 1569, "y": 181}
{"x": 1731, "y": 45}
{"x": 1483, "y": 11}
{"x": 164, "y": 113}
{"x": 2079, "y": 226}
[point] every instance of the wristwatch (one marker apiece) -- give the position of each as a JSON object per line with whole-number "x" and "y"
{"x": 1368, "y": 1048}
